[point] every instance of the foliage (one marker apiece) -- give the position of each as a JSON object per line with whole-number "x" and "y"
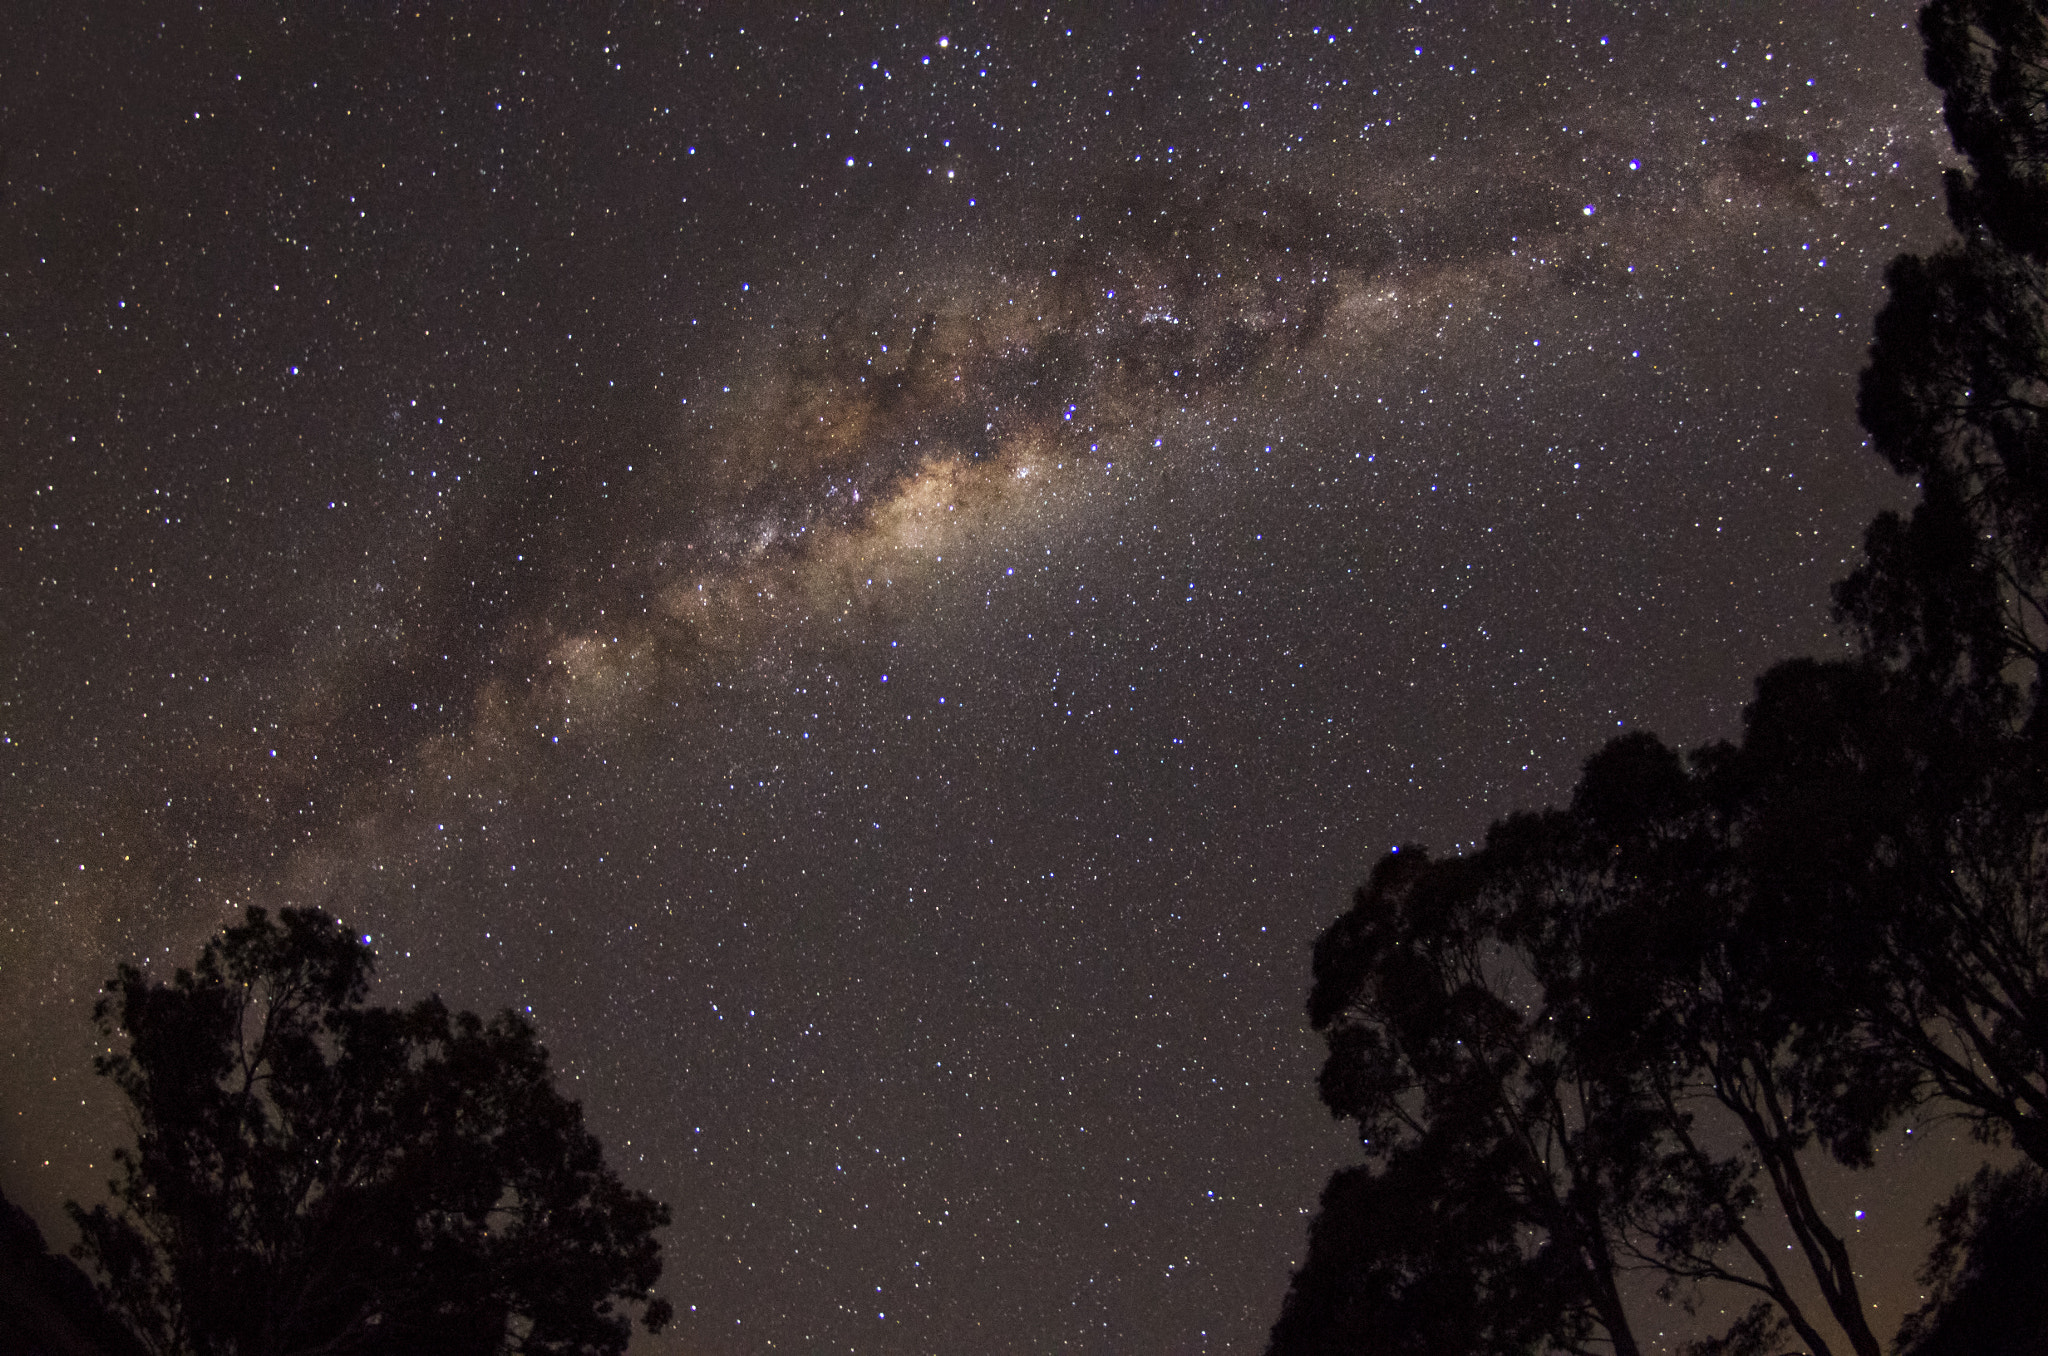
{"x": 1535, "y": 1035}
{"x": 1391, "y": 1259}
{"x": 1950, "y": 606}
{"x": 1990, "y": 1253}
{"x": 46, "y": 1303}
{"x": 1481, "y": 1212}
{"x": 1614, "y": 1035}
{"x": 314, "y": 1174}
{"x": 1645, "y": 938}
{"x": 1957, "y": 387}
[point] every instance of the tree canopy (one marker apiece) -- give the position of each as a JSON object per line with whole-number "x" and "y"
{"x": 1616, "y": 1037}
{"x": 1990, "y": 1252}
{"x": 312, "y": 1173}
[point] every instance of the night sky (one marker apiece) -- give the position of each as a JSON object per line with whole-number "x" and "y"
{"x": 884, "y": 572}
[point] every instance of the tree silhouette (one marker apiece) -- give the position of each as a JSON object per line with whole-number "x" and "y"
{"x": 1799, "y": 936}
{"x": 1954, "y": 397}
{"x": 314, "y": 1174}
{"x": 1479, "y": 1223}
{"x": 1577, "y": 1038}
{"x": 1672, "y": 992}
{"x": 47, "y": 1305}
{"x": 1950, "y": 871}
{"x": 1990, "y": 1253}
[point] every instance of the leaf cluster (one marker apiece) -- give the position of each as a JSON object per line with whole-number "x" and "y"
{"x": 1616, "y": 1036}
{"x": 1984, "y": 1274}
{"x": 314, "y": 1174}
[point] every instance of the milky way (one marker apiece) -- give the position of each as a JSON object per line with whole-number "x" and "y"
{"x": 884, "y": 576}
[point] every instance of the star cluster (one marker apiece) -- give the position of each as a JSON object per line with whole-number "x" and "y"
{"x": 883, "y": 576}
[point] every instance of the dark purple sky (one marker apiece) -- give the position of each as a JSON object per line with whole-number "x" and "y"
{"x": 886, "y": 572}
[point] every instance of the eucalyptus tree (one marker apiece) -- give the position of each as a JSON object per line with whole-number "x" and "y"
{"x": 311, "y": 1173}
